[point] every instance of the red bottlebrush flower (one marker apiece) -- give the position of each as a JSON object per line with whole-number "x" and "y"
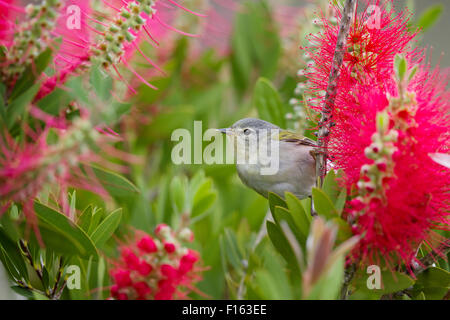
{"x": 166, "y": 289}
{"x": 8, "y": 13}
{"x": 160, "y": 275}
{"x": 74, "y": 29}
{"x": 402, "y": 194}
{"x": 147, "y": 244}
{"x": 169, "y": 247}
{"x": 142, "y": 289}
{"x": 122, "y": 296}
{"x": 114, "y": 291}
{"x": 144, "y": 268}
{"x": 168, "y": 271}
{"x": 187, "y": 262}
{"x": 122, "y": 278}
{"x": 131, "y": 260}
{"x": 412, "y": 196}
{"x": 370, "y": 51}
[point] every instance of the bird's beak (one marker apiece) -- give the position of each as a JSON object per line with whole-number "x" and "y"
{"x": 227, "y": 131}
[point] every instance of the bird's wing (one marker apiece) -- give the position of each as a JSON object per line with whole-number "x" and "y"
{"x": 289, "y": 136}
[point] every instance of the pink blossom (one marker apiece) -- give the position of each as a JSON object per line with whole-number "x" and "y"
{"x": 159, "y": 275}
{"x": 402, "y": 193}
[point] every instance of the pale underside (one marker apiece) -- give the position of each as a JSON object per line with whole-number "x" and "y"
{"x": 296, "y": 173}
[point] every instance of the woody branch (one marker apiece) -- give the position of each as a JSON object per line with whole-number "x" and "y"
{"x": 331, "y": 92}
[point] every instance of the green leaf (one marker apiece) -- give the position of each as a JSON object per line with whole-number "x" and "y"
{"x": 268, "y": 103}
{"x": 116, "y": 185}
{"x": 276, "y": 200}
{"x": 31, "y": 73}
{"x": 433, "y": 277}
{"x": 54, "y": 101}
{"x": 12, "y": 257}
{"x": 393, "y": 282}
{"x": 45, "y": 278}
{"x": 344, "y": 229}
{"x": 323, "y": 204}
{"x": 282, "y": 245}
{"x": 412, "y": 73}
{"x": 106, "y": 228}
{"x": 282, "y": 214}
{"x": 266, "y": 46}
{"x": 96, "y": 216}
{"x": 302, "y": 220}
{"x": 420, "y": 296}
{"x": 2, "y": 101}
{"x": 329, "y": 285}
{"x": 84, "y": 219}
{"x": 400, "y": 66}
{"x": 430, "y": 17}
{"x": 306, "y": 203}
{"x": 196, "y": 181}
{"x": 390, "y": 282}
{"x": 330, "y": 186}
{"x": 204, "y": 198}
{"x": 340, "y": 201}
{"x": 178, "y": 194}
{"x": 202, "y": 205}
{"x": 101, "y": 270}
{"x": 435, "y": 293}
{"x": 23, "y": 292}
{"x": 61, "y": 234}
{"x": 269, "y": 287}
{"x": 241, "y": 59}
{"x": 231, "y": 249}
{"x": 101, "y": 82}
{"x": 18, "y": 106}
{"x": 433, "y": 283}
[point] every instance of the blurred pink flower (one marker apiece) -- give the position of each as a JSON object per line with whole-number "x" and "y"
{"x": 158, "y": 268}
{"x": 27, "y": 167}
{"x": 108, "y": 37}
{"x": 9, "y": 10}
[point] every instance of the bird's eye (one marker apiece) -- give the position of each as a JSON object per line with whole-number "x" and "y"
{"x": 247, "y": 132}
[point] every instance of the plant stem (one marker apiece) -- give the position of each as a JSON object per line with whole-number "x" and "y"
{"x": 29, "y": 257}
{"x": 58, "y": 278}
{"x": 348, "y": 276}
{"x": 330, "y": 95}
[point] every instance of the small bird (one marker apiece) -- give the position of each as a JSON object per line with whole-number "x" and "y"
{"x": 296, "y": 172}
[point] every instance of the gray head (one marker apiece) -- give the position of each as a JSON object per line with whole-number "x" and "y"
{"x": 248, "y": 128}
{"x": 248, "y": 125}
{"x": 253, "y": 123}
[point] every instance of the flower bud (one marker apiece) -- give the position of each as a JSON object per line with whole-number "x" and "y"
{"x": 147, "y": 244}
{"x": 186, "y": 235}
{"x": 365, "y": 169}
{"x": 169, "y": 247}
{"x": 381, "y": 165}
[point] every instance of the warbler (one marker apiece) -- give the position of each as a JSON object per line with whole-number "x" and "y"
{"x": 296, "y": 167}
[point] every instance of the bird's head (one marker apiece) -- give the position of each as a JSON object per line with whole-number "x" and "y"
{"x": 249, "y": 129}
{"x": 248, "y": 126}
